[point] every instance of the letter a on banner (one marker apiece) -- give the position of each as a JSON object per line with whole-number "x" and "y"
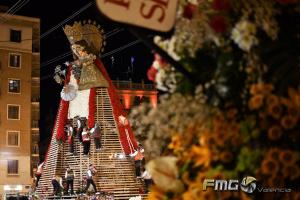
{"x": 158, "y": 15}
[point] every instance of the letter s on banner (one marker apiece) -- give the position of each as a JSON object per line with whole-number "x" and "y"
{"x": 150, "y": 13}
{"x": 157, "y": 15}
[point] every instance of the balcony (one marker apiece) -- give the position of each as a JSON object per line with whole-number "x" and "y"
{"x": 129, "y": 85}
{"x": 35, "y": 81}
{"x": 35, "y": 100}
{"x": 35, "y": 125}
{"x": 36, "y": 39}
{"x": 35, "y": 137}
{"x": 35, "y": 72}
{"x": 35, "y": 150}
{"x": 35, "y": 65}
{"x": 35, "y": 161}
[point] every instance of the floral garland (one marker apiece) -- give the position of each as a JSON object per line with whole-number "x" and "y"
{"x": 241, "y": 118}
{"x": 62, "y": 115}
{"x": 92, "y": 108}
{"x": 62, "y": 120}
{"x": 158, "y": 74}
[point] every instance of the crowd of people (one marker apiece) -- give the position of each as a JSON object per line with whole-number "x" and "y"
{"x": 77, "y": 128}
{"x": 68, "y": 188}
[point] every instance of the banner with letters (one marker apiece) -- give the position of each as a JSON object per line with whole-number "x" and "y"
{"x": 158, "y": 15}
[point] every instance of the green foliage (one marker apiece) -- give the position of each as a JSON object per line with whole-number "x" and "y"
{"x": 248, "y": 160}
{"x": 247, "y": 127}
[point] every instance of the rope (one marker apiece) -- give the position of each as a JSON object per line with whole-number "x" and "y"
{"x": 66, "y": 20}
{"x": 13, "y": 10}
{"x": 120, "y": 48}
{"x": 129, "y": 141}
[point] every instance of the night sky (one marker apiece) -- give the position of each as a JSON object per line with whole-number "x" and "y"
{"x": 52, "y": 12}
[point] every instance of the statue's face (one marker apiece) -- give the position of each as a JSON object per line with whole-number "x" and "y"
{"x": 78, "y": 50}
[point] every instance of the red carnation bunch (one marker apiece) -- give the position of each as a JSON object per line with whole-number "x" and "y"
{"x": 189, "y": 10}
{"x": 218, "y": 23}
{"x": 151, "y": 73}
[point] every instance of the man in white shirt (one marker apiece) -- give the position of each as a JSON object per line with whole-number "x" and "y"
{"x": 38, "y": 173}
{"x": 90, "y": 173}
{"x": 148, "y": 179}
{"x": 86, "y": 140}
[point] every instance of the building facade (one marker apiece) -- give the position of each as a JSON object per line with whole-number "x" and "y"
{"x": 132, "y": 94}
{"x": 19, "y": 102}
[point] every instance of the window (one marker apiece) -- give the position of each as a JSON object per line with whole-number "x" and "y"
{"x": 13, "y": 138}
{"x": 15, "y": 36}
{"x": 13, "y": 112}
{"x": 12, "y": 167}
{"x": 15, "y": 60}
{"x": 14, "y": 86}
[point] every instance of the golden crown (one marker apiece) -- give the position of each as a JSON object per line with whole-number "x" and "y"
{"x": 88, "y": 31}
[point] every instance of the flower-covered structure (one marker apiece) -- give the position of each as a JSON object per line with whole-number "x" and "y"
{"x": 240, "y": 115}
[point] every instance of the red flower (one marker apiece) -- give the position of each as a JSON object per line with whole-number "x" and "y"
{"x": 160, "y": 59}
{"x": 151, "y": 73}
{"x": 221, "y": 5}
{"x": 189, "y": 10}
{"x": 218, "y": 24}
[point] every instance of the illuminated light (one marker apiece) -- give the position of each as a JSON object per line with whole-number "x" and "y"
{"x": 153, "y": 100}
{"x": 111, "y": 156}
{"x": 19, "y": 187}
{"x": 13, "y": 187}
{"x": 5, "y": 153}
{"x": 121, "y": 156}
{"x": 126, "y": 100}
{"x": 6, "y": 187}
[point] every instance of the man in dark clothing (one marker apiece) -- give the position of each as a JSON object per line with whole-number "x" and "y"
{"x": 138, "y": 161}
{"x": 70, "y": 176}
{"x": 56, "y": 183}
{"x": 80, "y": 123}
{"x": 96, "y": 133}
{"x": 90, "y": 173}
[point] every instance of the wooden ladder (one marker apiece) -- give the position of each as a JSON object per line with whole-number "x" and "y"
{"x": 51, "y": 166}
{"x": 114, "y": 175}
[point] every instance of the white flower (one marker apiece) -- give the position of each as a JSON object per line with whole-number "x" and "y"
{"x": 168, "y": 46}
{"x": 243, "y": 35}
{"x": 136, "y": 198}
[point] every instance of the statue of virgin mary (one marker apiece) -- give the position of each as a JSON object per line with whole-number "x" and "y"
{"x": 84, "y": 75}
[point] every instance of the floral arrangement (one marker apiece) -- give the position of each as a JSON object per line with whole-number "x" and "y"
{"x": 200, "y": 141}
{"x": 163, "y": 74}
{"x": 240, "y": 115}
